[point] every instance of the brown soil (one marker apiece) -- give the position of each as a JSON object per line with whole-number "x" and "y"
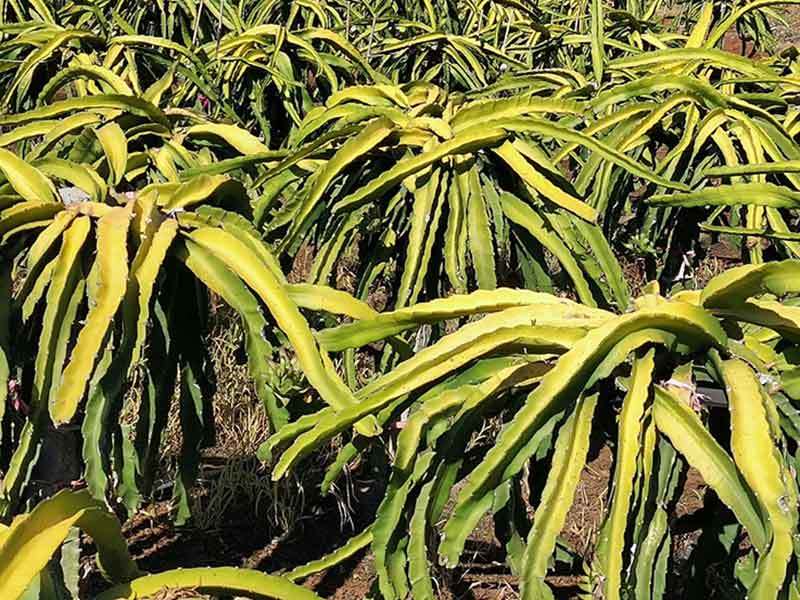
{"x": 301, "y": 267}
{"x": 588, "y": 509}
{"x": 788, "y": 34}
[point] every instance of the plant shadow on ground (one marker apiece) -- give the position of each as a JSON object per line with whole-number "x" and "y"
{"x": 242, "y": 537}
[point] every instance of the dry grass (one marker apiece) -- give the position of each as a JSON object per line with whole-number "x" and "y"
{"x": 635, "y": 273}
{"x": 232, "y": 482}
{"x": 788, "y": 33}
{"x": 240, "y": 421}
{"x": 588, "y": 509}
{"x": 709, "y": 268}
{"x": 231, "y": 479}
{"x": 301, "y": 266}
